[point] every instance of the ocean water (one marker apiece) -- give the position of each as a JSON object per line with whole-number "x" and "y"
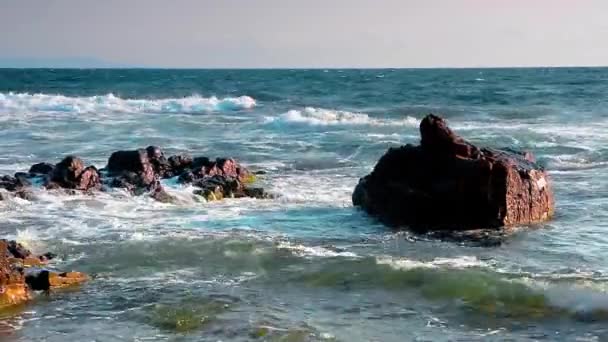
{"x": 305, "y": 266}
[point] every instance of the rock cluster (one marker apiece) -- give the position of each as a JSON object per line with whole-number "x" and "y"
{"x": 21, "y": 273}
{"x": 447, "y": 183}
{"x": 139, "y": 171}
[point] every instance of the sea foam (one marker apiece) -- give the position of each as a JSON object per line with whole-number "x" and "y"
{"x": 324, "y": 117}
{"x": 18, "y": 102}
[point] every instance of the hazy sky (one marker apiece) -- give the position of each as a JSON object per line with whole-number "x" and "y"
{"x": 309, "y": 33}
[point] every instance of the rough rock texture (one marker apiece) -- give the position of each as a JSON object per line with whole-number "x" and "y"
{"x": 71, "y": 173}
{"x": 13, "y": 289}
{"x": 202, "y": 167}
{"x": 448, "y": 183}
{"x": 139, "y": 172}
{"x": 16, "y": 284}
{"x": 132, "y": 167}
{"x": 143, "y": 168}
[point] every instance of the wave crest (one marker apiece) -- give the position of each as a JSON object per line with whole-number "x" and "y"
{"x": 111, "y": 103}
{"x": 325, "y": 117}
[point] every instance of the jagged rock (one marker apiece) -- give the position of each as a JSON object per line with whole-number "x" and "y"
{"x": 203, "y": 167}
{"x": 139, "y": 172}
{"x": 15, "y": 283}
{"x": 133, "y": 168}
{"x": 71, "y": 173}
{"x": 13, "y": 290}
{"x": 449, "y": 183}
{"x": 178, "y": 164}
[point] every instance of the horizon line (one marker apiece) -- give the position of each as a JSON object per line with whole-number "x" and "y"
{"x": 308, "y": 68}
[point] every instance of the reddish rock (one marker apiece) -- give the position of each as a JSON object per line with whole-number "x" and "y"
{"x": 178, "y": 164}
{"x": 16, "y": 284}
{"x": 133, "y": 168}
{"x": 202, "y": 167}
{"x": 449, "y": 183}
{"x": 71, "y": 173}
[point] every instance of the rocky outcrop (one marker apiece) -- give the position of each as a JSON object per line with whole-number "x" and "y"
{"x": 140, "y": 172}
{"x": 132, "y": 169}
{"x": 447, "y": 183}
{"x": 20, "y": 274}
{"x": 17, "y": 186}
{"x": 71, "y": 173}
{"x": 143, "y": 168}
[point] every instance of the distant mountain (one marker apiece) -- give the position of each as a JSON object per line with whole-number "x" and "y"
{"x": 74, "y": 62}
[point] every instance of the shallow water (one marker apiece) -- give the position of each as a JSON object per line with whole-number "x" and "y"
{"x": 306, "y": 265}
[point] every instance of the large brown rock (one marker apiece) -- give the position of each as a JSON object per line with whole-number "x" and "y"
{"x": 447, "y": 183}
{"x": 71, "y": 173}
{"x": 135, "y": 166}
{"x": 16, "y": 284}
{"x": 13, "y": 289}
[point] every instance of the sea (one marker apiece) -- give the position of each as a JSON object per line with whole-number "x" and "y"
{"x": 305, "y": 265}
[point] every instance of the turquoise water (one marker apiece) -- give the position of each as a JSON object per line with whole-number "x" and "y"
{"x": 305, "y": 266}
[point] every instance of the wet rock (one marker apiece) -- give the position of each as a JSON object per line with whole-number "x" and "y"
{"x": 44, "y": 280}
{"x": 139, "y": 172}
{"x": 161, "y": 195}
{"x": 19, "y": 275}
{"x": 14, "y": 183}
{"x": 203, "y": 167}
{"x": 71, "y": 173}
{"x": 177, "y": 165}
{"x": 447, "y": 183}
{"x": 132, "y": 169}
{"x": 157, "y": 158}
{"x": 18, "y": 186}
{"x": 17, "y": 250}
{"x": 42, "y": 169}
{"x": 258, "y": 193}
{"x": 13, "y": 289}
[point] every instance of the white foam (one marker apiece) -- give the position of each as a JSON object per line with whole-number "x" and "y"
{"x": 408, "y": 264}
{"x": 24, "y": 102}
{"x": 324, "y": 117}
{"x": 314, "y": 251}
{"x": 313, "y": 189}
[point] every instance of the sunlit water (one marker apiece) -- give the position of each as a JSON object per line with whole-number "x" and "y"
{"x": 306, "y": 265}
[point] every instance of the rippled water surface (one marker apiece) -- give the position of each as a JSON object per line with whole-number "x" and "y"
{"x": 305, "y": 266}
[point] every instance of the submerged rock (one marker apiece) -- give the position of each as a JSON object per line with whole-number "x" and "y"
{"x": 447, "y": 183}
{"x": 18, "y": 186}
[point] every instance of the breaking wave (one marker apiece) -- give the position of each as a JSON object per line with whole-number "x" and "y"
{"x": 16, "y": 102}
{"x": 324, "y": 117}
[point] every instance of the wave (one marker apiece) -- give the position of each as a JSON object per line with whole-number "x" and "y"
{"x": 19, "y": 102}
{"x": 325, "y": 117}
{"x": 464, "y": 281}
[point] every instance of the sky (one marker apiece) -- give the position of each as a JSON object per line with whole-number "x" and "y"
{"x": 304, "y": 33}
